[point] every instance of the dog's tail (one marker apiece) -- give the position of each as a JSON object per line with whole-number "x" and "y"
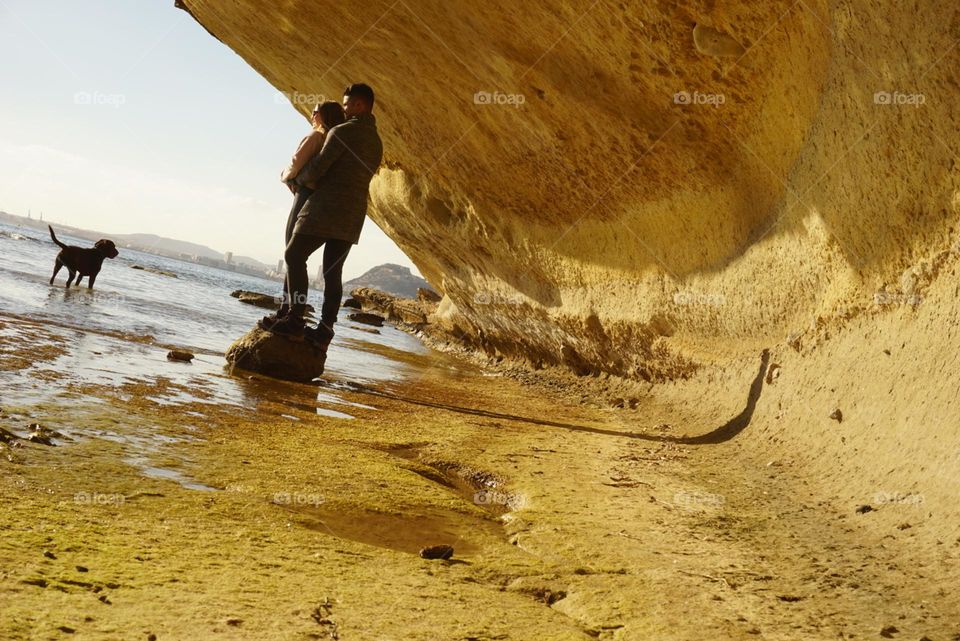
{"x": 54, "y": 237}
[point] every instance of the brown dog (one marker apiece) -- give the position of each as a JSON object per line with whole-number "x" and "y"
{"x": 86, "y": 262}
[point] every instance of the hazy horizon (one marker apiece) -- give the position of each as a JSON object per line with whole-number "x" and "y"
{"x": 133, "y": 119}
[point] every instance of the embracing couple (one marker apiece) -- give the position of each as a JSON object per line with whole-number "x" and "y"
{"x": 329, "y": 176}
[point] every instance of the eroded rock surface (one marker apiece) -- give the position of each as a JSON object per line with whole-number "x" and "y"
{"x": 406, "y": 311}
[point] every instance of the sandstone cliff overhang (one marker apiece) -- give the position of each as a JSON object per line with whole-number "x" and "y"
{"x": 637, "y": 187}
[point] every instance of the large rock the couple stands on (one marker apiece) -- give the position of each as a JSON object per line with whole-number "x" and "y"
{"x": 277, "y": 356}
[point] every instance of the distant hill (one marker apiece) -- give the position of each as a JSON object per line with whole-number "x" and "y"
{"x": 390, "y": 278}
{"x": 169, "y": 246}
{"x": 159, "y": 244}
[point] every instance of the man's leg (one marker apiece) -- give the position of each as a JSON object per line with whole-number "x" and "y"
{"x": 298, "y": 251}
{"x": 334, "y": 255}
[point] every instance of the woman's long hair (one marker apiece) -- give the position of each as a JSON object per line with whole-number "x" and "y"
{"x": 331, "y": 115}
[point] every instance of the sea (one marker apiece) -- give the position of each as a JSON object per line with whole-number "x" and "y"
{"x": 121, "y": 329}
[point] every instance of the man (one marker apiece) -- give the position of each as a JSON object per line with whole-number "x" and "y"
{"x": 333, "y": 215}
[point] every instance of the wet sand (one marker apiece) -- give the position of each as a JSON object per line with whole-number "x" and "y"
{"x": 182, "y": 502}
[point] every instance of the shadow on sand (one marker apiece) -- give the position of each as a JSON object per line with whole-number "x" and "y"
{"x": 721, "y": 434}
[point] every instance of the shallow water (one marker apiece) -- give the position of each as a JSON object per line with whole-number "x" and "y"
{"x": 193, "y": 311}
{"x": 78, "y": 346}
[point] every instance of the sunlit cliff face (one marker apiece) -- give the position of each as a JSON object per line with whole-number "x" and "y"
{"x": 639, "y": 187}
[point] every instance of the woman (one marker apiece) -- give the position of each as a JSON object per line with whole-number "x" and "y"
{"x": 325, "y": 117}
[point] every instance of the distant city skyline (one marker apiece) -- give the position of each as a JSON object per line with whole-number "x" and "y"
{"x": 130, "y": 118}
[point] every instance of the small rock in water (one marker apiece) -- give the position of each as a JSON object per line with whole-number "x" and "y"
{"x": 889, "y": 631}
{"x": 257, "y": 299}
{"x": 154, "y": 270}
{"x": 863, "y": 509}
{"x": 179, "y": 355}
{"x": 266, "y": 301}
{"x": 40, "y": 434}
{"x": 367, "y": 319}
{"x": 49, "y": 554}
{"x": 837, "y": 415}
{"x": 368, "y": 330}
{"x": 444, "y": 552}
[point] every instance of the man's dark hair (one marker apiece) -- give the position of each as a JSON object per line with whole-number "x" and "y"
{"x": 360, "y": 90}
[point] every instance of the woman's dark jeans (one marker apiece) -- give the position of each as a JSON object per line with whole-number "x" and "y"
{"x": 299, "y": 199}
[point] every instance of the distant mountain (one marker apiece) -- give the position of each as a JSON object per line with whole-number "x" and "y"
{"x": 150, "y": 243}
{"x": 390, "y": 278}
{"x": 159, "y": 244}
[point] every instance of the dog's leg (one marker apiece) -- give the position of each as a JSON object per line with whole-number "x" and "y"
{"x": 70, "y": 276}
{"x": 79, "y": 278}
{"x": 90, "y": 279}
{"x": 56, "y": 270}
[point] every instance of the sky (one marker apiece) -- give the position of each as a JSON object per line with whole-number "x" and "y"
{"x": 126, "y": 116}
